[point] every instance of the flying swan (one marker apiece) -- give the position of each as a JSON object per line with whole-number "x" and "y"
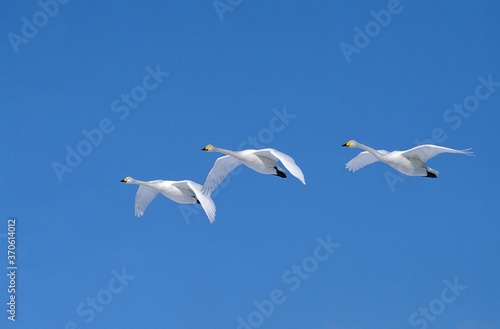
{"x": 410, "y": 162}
{"x": 184, "y": 191}
{"x": 263, "y": 161}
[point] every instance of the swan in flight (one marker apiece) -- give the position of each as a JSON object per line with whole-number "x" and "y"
{"x": 263, "y": 161}
{"x": 410, "y": 162}
{"x": 184, "y": 191}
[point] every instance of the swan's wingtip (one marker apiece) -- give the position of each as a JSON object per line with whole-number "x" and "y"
{"x": 351, "y": 169}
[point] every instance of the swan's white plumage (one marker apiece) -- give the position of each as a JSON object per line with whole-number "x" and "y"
{"x": 428, "y": 151}
{"x": 363, "y": 159}
{"x": 285, "y": 159}
{"x": 143, "y": 198}
{"x": 410, "y": 162}
{"x": 185, "y": 192}
{"x": 222, "y": 167}
{"x": 263, "y": 161}
{"x": 205, "y": 200}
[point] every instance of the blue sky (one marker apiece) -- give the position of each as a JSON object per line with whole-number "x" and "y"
{"x": 95, "y": 92}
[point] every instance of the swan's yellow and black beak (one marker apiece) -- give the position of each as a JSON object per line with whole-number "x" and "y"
{"x": 347, "y": 144}
{"x": 124, "y": 180}
{"x": 206, "y": 148}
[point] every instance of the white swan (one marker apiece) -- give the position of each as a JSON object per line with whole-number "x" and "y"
{"x": 410, "y": 162}
{"x": 184, "y": 191}
{"x": 263, "y": 161}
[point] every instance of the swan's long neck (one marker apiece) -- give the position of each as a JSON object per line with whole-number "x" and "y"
{"x": 224, "y": 151}
{"x": 139, "y": 182}
{"x": 372, "y": 151}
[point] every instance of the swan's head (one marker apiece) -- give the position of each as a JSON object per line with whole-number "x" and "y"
{"x": 208, "y": 148}
{"x": 351, "y": 143}
{"x": 127, "y": 180}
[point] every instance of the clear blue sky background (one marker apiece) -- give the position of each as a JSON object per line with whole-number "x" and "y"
{"x": 400, "y": 239}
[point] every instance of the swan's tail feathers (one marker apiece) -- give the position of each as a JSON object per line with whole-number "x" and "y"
{"x": 432, "y": 173}
{"x": 280, "y": 172}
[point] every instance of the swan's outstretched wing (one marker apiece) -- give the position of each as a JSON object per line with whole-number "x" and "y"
{"x": 285, "y": 159}
{"x": 222, "y": 167}
{"x": 143, "y": 198}
{"x": 363, "y": 159}
{"x": 205, "y": 200}
{"x": 428, "y": 151}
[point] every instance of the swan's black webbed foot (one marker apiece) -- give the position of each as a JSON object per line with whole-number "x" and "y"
{"x": 431, "y": 175}
{"x": 279, "y": 173}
